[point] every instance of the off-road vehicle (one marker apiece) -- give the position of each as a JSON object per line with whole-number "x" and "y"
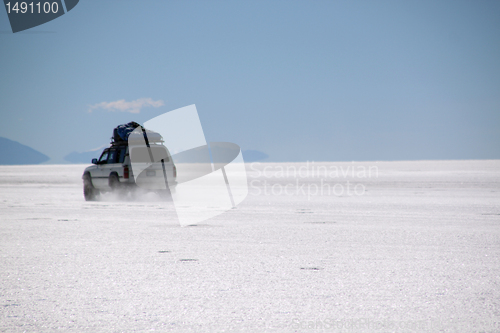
{"x": 114, "y": 172}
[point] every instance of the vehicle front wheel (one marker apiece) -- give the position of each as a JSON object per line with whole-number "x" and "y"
{"x": 89, "y": 191}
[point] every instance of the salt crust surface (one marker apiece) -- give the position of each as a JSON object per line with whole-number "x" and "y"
{"x": 417, "y": 251}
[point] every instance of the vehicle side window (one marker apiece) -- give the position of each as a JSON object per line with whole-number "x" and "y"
{"x": 121, "y": 155}
{"x": 112, "y": 156}
{"x": 104, "y": 157}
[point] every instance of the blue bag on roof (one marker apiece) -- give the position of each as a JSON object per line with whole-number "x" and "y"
{"x": 121, "y": 134}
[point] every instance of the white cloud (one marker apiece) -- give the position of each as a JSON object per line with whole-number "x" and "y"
{"x": 124, "y": 106}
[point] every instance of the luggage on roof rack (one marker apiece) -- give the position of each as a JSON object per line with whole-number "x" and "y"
{"x": 122, "y": 134}
{"x": 139, "y": 138}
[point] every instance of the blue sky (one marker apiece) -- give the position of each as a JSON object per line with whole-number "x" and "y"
{"x": 298, "y": 80}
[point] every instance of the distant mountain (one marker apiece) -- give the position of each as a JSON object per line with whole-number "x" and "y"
{"x": 12, "y": 152}
{"x": 85, "y": 157}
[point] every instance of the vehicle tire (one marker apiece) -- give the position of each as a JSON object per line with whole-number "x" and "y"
{"x": 89, "y": 191}
{"x": 114, "y": 182}
{"x": 116, "y": 187}
{"x": 165, "y": 195}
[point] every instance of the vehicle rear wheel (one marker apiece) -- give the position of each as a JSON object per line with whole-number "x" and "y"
{"x": 114, "y": 182}
{"x": 89, "y": 191}
{"x": 166, "y": 195}
{"x": 116, "y": 187}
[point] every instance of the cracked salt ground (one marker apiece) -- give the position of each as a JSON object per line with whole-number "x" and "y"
{"x": 392, "y": 261}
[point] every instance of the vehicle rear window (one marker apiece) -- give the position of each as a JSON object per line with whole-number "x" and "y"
{"x": 142, "y": 154}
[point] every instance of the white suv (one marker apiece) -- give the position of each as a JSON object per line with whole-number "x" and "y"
{"x": 113, "y": 171}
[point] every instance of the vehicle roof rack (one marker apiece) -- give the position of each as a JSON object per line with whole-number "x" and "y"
{"x": 153, "y": 137}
